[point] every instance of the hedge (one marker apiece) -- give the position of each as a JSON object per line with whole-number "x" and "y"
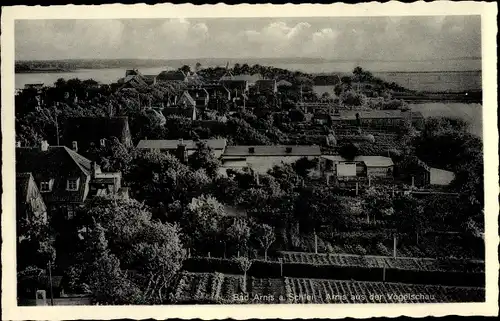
{"x": 272, "y": 269}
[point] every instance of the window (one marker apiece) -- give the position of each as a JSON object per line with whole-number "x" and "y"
{"x": 72, "y": 184}
{"x": 46, "y": 186}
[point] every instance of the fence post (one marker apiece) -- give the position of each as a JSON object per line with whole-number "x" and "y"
{"x": 208, "y": 254}
{"x": 394, "y": 250}
{"x": 383, "y": 274}
{"x": 315, "y": 242}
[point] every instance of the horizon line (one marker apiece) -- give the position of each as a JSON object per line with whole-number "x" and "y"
{"x": 260, "y": 58}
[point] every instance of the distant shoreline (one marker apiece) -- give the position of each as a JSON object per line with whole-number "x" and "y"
{"x": 44, "y": 71}
{"x": 61, "y": 70}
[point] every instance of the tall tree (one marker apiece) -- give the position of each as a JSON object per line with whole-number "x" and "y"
{"x": 265, "y": 237}
{"x": 204, "y": 158}
{"x": 244, "y": 264}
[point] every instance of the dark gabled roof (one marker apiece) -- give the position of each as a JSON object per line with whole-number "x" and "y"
{"x": 272, "y": 150}
{"x": 189, "y": 98}
{"x": 58, "y": 163}
{"x": 86, "y": 130}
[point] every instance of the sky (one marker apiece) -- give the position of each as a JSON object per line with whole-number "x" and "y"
{"x": 370, "y": 38}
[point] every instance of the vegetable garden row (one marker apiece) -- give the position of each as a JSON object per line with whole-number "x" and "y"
{"x": 356, "y": 270}
{"x": 212, "y": 288}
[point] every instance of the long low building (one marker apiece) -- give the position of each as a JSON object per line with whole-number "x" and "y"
{"x": 171, "y": 145}
{"x": 263, "y": 158}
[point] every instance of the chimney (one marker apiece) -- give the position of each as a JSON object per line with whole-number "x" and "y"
{"x": 182, "y": 152}
{"x": 45, "y": 146}
{"x": 75, "y": 146}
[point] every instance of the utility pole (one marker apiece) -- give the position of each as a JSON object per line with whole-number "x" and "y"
{"x": 50, "y": 284}
{"x": 57, "y": 125}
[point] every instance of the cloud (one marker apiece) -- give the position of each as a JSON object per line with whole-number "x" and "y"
{"x": 396, "y": 38}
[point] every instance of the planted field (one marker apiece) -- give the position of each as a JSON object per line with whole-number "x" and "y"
{"x": 226, "y": 289}
{"x": 332, "y": 291}
{"x": 387, "y": 262}
{"x": 214, "y": 288}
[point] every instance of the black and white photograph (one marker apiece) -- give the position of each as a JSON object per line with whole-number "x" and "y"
{"x": 265, "y": 160}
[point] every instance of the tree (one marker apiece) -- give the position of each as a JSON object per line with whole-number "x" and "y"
{"x": 204, "y": 158}
{"x": 409, "y": 216}
{"x": 352, "y": 98}
{"x": 118, "y": 237}
{"x": 244, "y": 263}
{"x": 112, "y": 157}
{"x": 238, "y": 233}
{"x": 202, "y": 222}
{"x": 316, "y": 208}
{"x": 349, "y": 151}
{"x": 197, "y": 67}
{"x": 338, "y": 90}
{"x": 265, "y": 237}
{"x": 303, "y": 165}
{"x": 377, "y": 203}
{"x": 186, "y": 69}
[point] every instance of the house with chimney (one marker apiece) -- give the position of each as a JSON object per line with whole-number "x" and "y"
{"x": 260, "y": 159}
{"x": 80, "y": 133}
{"x": 65, "y": 178}
{"x": 182, "y": 148}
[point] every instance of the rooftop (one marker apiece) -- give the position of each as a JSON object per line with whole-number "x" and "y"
{"x": 273, "y": 150}
{"x": 173, "y": 143}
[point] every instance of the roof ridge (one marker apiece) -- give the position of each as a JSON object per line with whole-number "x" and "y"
{"x": 77, "y": 158}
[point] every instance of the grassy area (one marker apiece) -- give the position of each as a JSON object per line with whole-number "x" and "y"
{"x": 381, "y": 243}
{"x": 388, "y": 262}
